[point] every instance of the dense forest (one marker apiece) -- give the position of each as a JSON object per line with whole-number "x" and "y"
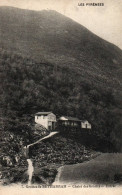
{"x": 28, "y": 86}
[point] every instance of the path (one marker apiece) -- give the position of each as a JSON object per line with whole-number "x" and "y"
{"x": 30, "y": 164}
{"x": 50, "y": 135}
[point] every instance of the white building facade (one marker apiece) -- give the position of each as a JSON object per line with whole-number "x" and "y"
{"x": 85, "y": 124}
{"x": 46, "y": 119}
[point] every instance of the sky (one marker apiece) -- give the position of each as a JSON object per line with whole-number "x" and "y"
{"x": 105, "y": 21}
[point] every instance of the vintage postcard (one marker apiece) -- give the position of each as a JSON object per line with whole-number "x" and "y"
{"x": 61, "y": 92}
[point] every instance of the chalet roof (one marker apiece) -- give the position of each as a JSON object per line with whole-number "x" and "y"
{"x": 83, "y": 121}
{"x": 70, "y": 118}
{"x": 43, "y": 113}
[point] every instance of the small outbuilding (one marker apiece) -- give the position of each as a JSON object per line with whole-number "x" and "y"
{"x": 85, "y": 124}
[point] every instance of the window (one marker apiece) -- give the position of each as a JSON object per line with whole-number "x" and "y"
{"x": 75, "y": 124}
{"x": 63, "y": 122}
{"x": 72, "y": 124}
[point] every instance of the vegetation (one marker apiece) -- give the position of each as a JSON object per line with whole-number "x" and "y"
{"x": 28, "y": 87}
{"x": 54, "y": 152}
{"x": 49, "y": 62}
{"x": 15, "y": 134}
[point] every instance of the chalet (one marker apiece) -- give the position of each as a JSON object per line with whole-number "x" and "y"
{"x": 47, "y": 119}
{"x": 69, "y": 121}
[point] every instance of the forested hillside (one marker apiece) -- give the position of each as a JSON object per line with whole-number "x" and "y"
{"x": 28, "y": 87}
{"x": 51, "y": 63}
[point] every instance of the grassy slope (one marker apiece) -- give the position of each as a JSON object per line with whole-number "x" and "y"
{"x": 104, "y": 169}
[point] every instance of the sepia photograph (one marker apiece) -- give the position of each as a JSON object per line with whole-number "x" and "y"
{"x": 61, "y": 95}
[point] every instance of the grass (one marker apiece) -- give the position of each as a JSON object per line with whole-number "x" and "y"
{"x": 104, "y": 169}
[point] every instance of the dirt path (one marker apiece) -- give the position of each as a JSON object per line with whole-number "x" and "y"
{"x": 46, "y": 137}
{"x": 30, "y": 163}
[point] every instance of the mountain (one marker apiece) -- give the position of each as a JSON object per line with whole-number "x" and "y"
{"x": 48, "y": 35}
{"x": 50, "y": 62}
